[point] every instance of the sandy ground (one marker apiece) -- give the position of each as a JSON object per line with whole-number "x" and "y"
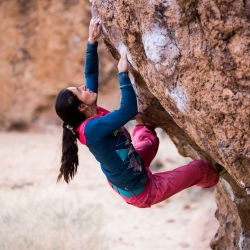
{"x": 36, "y": 213}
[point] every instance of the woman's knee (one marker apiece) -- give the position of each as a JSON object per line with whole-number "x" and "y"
{"x": 202, "y": 164}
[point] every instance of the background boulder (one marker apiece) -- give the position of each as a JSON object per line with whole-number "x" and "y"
{"x": 42, "y": 46}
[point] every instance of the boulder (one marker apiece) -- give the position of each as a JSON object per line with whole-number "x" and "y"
{"x": 189, "y": 63}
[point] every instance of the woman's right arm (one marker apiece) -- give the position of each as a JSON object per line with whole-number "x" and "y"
{"x": 100, "y": 127}
{"x": 91, "y": 61}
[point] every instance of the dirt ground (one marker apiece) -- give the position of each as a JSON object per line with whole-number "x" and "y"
{"x": 37, "y": 213}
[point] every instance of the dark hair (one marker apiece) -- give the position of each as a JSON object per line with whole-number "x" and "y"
{"x": 66, "y": 107}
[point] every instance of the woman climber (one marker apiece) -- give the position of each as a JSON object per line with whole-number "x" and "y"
{"x": 124, "y": 161}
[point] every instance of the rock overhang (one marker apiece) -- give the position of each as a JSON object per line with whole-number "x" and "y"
{"x": 189, "y": 61}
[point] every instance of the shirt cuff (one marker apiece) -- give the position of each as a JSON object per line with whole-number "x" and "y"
{"x": 123, "y": 74}
{"x": 92, "y": 46}
{"x": 124, "y": 79}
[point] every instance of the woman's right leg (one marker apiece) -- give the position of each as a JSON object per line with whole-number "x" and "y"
{"x": 165, "y": 184}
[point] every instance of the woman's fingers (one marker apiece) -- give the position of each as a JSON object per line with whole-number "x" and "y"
{"x": 94, "y": 20}
{"x": 99, "y": 28}
{"x": 94, "y": 29}
{"x": 96, "y": 23}
{"x": 123, "y": 62}
{"x": 124, "y": 57}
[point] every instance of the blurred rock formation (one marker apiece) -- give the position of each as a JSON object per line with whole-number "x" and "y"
{"x": 190, "y": 65}
{"x": 42, "y": 47}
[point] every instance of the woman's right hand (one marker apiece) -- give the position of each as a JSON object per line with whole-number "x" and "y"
{"x": 95, "y": 30}
{"x": 123, "y": 63}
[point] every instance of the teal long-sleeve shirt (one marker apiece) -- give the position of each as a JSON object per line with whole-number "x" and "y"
{"x": 105, "y": 135}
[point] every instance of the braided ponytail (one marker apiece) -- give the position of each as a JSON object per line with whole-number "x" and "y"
{"x": 69, "y": 159}
{"x": 66, "y": 107}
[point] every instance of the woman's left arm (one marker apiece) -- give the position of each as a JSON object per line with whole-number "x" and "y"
{"x": 91, "y": 62}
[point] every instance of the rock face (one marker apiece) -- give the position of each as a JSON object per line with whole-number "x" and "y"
{"x": 42, "y": 47}
{"x": 189, "y": 61}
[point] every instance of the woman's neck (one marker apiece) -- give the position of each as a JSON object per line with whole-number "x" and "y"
{"x": 91, "y": 111}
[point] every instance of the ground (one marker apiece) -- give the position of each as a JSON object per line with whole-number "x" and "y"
{"x": 36, "y": 213}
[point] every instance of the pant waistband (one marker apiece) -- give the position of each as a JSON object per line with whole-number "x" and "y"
{"x": 128, "y": 193}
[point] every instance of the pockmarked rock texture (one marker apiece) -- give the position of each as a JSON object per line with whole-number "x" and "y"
{"x": 42, "y": 50}
{"x": 190, "y": 64}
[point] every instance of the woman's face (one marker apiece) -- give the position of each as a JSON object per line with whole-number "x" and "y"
{"x": 85, "y": 95}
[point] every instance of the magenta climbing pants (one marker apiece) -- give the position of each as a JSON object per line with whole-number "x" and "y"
{"x": 160, "y": 186}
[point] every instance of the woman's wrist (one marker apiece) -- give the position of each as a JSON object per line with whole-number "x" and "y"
{"x": 91, "y": 40}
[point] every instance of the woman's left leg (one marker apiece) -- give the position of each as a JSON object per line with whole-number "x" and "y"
{"x": 145, "y": 142}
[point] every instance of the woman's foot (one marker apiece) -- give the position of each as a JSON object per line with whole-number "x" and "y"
{"x": 220, "y": 169}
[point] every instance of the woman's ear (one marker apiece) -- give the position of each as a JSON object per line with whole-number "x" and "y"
{"x": 82, "y": 107}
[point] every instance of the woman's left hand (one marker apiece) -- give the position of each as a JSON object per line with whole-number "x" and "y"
{"x": 95, "y": 29}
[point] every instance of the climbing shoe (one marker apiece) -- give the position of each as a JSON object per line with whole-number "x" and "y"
{"x": 220, "y": 168}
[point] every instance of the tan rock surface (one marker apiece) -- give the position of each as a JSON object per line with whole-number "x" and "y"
{"x": 190, "y": 64}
